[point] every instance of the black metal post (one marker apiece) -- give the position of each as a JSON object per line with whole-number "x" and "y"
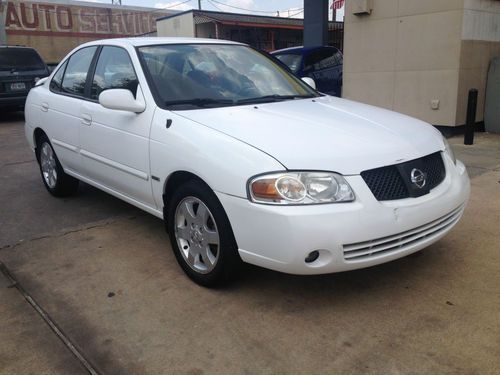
{"x": 471, "y": 117}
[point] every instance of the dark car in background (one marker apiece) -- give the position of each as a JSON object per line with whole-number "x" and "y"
{"x": 20, "y": 69}
{"x": 323, "y": 64}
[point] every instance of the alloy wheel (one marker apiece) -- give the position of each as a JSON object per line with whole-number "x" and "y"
{"x": 197, "y": 235}
{"x": 48, "y": 164}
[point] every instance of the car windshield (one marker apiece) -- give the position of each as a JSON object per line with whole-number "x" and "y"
{"x": 18, "y": 59}
{"x": 291, "y": 60}
{"x": 202, "y": 75}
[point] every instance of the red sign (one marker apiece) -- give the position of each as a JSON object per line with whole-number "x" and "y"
{"x": 337, "y": 4}
{"x": 33, "y": 18}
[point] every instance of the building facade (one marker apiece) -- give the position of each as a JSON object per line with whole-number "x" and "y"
{"x": 420, "y": 57}
{"x": 265, "y": 33}
{"x": 54, "y": 27}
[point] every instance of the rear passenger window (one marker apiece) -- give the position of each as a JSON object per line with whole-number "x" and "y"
{"x": 114, "y": 70}
{"x": 55, "y": 84}
{"x": 322, "y": 59}
{"x": 76, "y": 71}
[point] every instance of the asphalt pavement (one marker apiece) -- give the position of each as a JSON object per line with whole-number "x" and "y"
{"x": 98, "y": 289}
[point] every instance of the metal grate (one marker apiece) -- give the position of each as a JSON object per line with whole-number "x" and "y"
{"x": 385, "y": 183}
{"x": 434, "y": 167}
{"x": 393, "y": 182}
{"x": 401, "y": 241}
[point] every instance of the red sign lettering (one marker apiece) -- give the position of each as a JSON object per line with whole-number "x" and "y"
{"x": 64, "y": 18}
{"x": 33, "y": 18}
{"x": 33, "y": 11}
{"x": 48, "y": 10}
{"x": 12, "y": 19}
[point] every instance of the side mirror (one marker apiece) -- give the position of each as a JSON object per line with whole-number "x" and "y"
{"x": 122, "y": 100}
{"x": 309, "y": 81}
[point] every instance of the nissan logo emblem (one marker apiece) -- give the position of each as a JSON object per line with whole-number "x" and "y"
{"x": 418, "y": 178}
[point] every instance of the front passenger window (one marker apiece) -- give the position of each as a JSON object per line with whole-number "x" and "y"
{"x": 114, "y": 70}
{"x": 76, "y": 71}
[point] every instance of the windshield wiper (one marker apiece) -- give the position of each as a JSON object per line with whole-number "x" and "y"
{"x": 199, "y": 102}
{"x": 204, "y": 102}
{"x": 272, "y": 98}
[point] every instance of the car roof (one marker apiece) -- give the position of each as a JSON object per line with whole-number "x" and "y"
{"x": 18, "y": 47}
{"x": 300, "y": 49}
{"x": 151, "y": 41}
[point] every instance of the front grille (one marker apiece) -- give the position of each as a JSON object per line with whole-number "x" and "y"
{"x": 394, "y": 181}
{"x": 434, "y": 167}
{"x": 401, "y": 241}
{"x": 386, "y": 183}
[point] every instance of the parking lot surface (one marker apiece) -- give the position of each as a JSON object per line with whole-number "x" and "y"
{"x": 103, "y": 271}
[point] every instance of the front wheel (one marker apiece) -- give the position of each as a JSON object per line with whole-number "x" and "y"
{"x": 201, "y": 235}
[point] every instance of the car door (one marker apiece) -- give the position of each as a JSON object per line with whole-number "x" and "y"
{"x": 324, "y": 65}
{"x": 115, "y": 144}
{"x": 61, "y": 107}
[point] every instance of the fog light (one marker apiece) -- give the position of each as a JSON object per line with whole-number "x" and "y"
{"x": 313, "y": 255}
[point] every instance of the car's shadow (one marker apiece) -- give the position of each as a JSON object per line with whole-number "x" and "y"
{"x": 303, "y": 292}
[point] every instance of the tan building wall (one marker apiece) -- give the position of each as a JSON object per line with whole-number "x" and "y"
{"x": 408, "y": 54}
{"x": 181, "y": 25}
{"x": 480, "y": 43}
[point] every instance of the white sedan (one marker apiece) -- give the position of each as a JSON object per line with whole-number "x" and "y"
{"x": 243, "y": 161}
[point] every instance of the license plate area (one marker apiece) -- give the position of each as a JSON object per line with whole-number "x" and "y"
{"x": 18, "y": 86}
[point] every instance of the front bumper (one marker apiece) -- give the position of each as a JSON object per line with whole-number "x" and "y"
{"x": 10, "y": 101}
{"x": 348, "y": 236}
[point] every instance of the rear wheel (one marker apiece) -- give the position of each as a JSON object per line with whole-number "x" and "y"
{"x": 201, "y": 235}
{"x": 57, "y": 182}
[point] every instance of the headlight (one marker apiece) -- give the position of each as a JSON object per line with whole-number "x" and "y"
{"x": 300, "y": 188}
{"x": 449, "y": 151}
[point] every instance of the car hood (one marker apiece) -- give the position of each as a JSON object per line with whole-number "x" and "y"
{"x": 324, "y": 133}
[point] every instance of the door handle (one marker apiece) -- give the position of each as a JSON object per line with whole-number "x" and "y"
{"x": 45, "y": 106}
{"x": 86, "y": 119}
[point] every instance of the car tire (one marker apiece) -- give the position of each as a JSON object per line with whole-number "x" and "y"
{"x": 57, "y": 182}
{"x": 201, "y": 235}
